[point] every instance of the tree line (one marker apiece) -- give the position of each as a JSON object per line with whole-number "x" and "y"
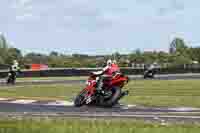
{"x": 179, "y": 54}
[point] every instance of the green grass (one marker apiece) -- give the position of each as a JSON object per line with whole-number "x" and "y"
{"x": 57, "y": 91}
{"x": 148, "y": 93}
{"x": 92, "y": 126}
{"x": 165, "y": 93}
{"x": 53, "y": 78}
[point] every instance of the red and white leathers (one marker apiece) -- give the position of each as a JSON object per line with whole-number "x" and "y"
{"x": 115, "y": 68}
{"x": 109, "y": 69}
{"x": 106, "y": 70}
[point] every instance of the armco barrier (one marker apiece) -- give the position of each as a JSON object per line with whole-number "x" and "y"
{"x": 86, "y": 72}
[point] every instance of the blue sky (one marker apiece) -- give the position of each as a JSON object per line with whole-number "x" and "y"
{"x": 98, "y": 26}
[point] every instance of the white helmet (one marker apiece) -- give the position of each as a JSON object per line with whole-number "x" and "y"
{"x": 155, "y": 63}
{"x": 15, "y": 63}
{"x": 114, "y": 61}
{"x": 109, "y": 62}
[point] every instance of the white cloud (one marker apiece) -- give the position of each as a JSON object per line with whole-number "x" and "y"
{"x": 166, "y": 6}
{"x": 25, "y": 16}
{"x": 19, "y": 4}
{"x": 24, "y": 10}
{"x": 23, "y": 2}
{"x": 102, "y": 23}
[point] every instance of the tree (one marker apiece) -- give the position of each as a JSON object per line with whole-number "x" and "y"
{"x": 178, "y": 45}
{"x": 3, "y": 42}
{"x": 36, "y": 58}
{"x": 150, "y": 57}
{"x": 13, "y": 54}
{"x": 180, "y": 53}
{"x": 1, "y": 60}
{"x": 137, "y": 56}
{"x": 3, "y": 49}
{"x": 163, "y": 57}
{"x": 79, "y": 55}
{"x": 116, "y": 56}
{"x": 53, "y": 53}
{"x": 195, "y": 54}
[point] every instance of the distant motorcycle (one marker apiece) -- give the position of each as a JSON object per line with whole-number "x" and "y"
{"x": 11, "y": 78}
{"x": 110, "y": 94}
{"x": 12, "y": 75}
{"x": 149, "y": 74}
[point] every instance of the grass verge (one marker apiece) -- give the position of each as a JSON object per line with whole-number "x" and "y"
{"x": 149, "y": 92}
{"x": 53, "y": 78}
{"x": 93, "y": 126}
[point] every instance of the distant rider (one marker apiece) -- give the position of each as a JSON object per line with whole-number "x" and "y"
{"x": 14, "y": 69}
{"x": 150, "y": 72}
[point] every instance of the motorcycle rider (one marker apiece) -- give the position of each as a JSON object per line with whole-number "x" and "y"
{"x": 151, "y": 70}
{"x": 115, "y": 67}
{"x": 103, "y": 92}
{"x": 14, "y": 69}
{"x": 106, "y": 72}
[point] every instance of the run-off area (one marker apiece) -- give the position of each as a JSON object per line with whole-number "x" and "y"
{"x": 170, "y": 106}
{"x": 159, "y": 93}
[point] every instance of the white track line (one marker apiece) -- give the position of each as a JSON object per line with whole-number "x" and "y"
{"x": 68, "y": 103}
{"x": 123, "y": 106}
{"x": 181, "y": 109}
{"x": 26, "y": 101}
{"x": 23, "y": 101}
{"x": 61, "y": 103}
{"x": 130, "y": 105}
{"x": 184, "y": 109}
{"x": 4, "y": 99}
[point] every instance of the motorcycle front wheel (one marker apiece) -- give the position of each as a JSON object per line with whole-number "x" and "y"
{"x": 80, "y": 99}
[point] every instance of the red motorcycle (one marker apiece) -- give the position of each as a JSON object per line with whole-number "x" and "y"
{"x": 110, "y": 94}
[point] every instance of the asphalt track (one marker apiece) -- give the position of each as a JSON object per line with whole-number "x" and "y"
{"x": 42, "y": 109}
{"x": 119, "y": 112}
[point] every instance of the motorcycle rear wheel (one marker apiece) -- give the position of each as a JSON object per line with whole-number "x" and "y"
{"x": 116, "y": 94}
{"x": 10, "y": 80}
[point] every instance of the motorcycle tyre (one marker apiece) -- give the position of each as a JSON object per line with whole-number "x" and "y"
{"x": 79, "y": 100}
{"x": 114, "y": 99}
